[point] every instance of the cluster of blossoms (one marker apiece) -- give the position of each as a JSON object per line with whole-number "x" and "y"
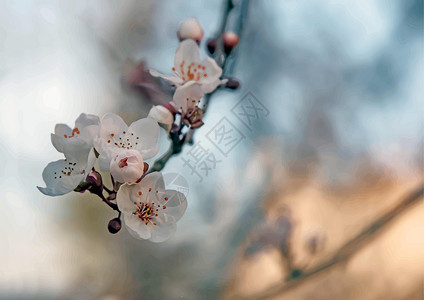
{"x": 149, "y": 210}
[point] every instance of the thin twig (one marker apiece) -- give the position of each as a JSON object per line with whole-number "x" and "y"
{"x": 347, "y": 250}
{"x": 107, "y": 201}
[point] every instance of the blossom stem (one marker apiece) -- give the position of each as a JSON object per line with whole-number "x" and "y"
{"x": 107, "y": 201}
{"x": 107, "y": 190}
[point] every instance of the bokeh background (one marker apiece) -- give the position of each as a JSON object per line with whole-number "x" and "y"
{"x": 341, "y": 145}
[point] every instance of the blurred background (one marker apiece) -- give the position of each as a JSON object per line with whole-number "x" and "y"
{"x": 337, "y": 144}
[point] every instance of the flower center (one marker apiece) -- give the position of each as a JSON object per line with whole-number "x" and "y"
{"x": 123, "y": 162}
{"x": 124, "y": 140}
{"x": 192, "y": 71}
{"x": 74, "y": 132}
{"x": 146, "y": 212}
{"x": 67, "y": 170}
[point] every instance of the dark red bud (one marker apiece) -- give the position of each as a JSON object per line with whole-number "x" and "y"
{"x": 211, "y": 44}
{"x": 114, "y": 225}
{"x": 232, "y": 83}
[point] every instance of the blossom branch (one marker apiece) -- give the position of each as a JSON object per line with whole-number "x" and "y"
{"x": 221, "y": 58}
{"x": 346, "y": 251}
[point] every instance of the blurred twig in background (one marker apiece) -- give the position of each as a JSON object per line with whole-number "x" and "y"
{"x": 347, "y": 250}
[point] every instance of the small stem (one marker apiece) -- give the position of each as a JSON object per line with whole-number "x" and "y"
{"x": 107, "y": 190}
{"x": 107, "y": 201}
{"x": 113, "y": 183}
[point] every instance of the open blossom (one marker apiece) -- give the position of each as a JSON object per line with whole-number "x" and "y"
{"x": 151, "y": 212}
{"x": 188, "y": 67}
{"x": 115, "y": 135}
{"x": 63, "y": 176}
{"x": 79, "y": 140}
{"x": 187, "y": 97}
{"x": 127, "y": 166}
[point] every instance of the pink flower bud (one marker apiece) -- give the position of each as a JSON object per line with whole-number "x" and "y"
{"x": 163, "y": 116}
{"x": 230, "y": 41}
{"x": 127, "y": 166}
{"x": 190, "y": 29}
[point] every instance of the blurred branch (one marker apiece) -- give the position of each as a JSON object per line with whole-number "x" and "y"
{"x": 346, "y": 251}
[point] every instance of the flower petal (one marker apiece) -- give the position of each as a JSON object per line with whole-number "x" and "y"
{"x": 73, "y": 148}
{"x": 124, "y": 199}
{"x": 164, "y": 143}
{"x": 176, "y": 205}
{"x": 148, "y": 132}
{"x": 58, "y": 183}
{"x": 136, "y": 227}
{"x": 174, "y": 79}
{"x": 213, "y": 72}
{"x": 112, "y": 124}
{"x": 187, "y": 52}
{"x": 162, "y": 232}
{"x": 153, "y": 180}
{"x": 85, "y": 120}
{"x": 187, "y": 96}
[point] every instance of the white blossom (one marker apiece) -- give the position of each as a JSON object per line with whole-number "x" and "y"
{"x": 78, "y": 141}
{"x": 188, "y": 67}
{"x": 64, "y": 175}
{"x": 115, "y": 135}
{"x": 149, "y": 211}
{"x": 187, "y": 97}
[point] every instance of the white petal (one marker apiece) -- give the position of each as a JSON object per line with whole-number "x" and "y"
{"x": 136, "y": 227}
{"x": 124, "y": 199}
{"x": 112, "y": 124}
{"x": 187, "y": 96}
{"x": 176, "y": 204}
{"x": 90, "y": 162}
{"x": 85, "y": 120}
{"x": 89, "y": 134}
{"x": 187, "y": 51}
{"x": 164, "y": 143}
{"x": 153, "y": 180}
{"x": 213, "y": 72}
{"x": 106, "y": 153}
{"x": 162, "y": 232}
{"x": 73, "y": 148}
{"x": 176, "y": 80}
{"x": 58, "y": 183}
{"x": 162, "y": 115}
{"x": 62, "y": 129}
{"x": 148, "y": 132}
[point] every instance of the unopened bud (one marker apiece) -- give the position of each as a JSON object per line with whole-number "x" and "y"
{"x": 95, "y": 179}
{"x": 190, "y": 29}
{"x": 211, "y": 44}
{"x": 232, "y": 83}
{"x": 114, "y": 225}
{"x": 163, "y": 116}
{"x": 230, "y": 41}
